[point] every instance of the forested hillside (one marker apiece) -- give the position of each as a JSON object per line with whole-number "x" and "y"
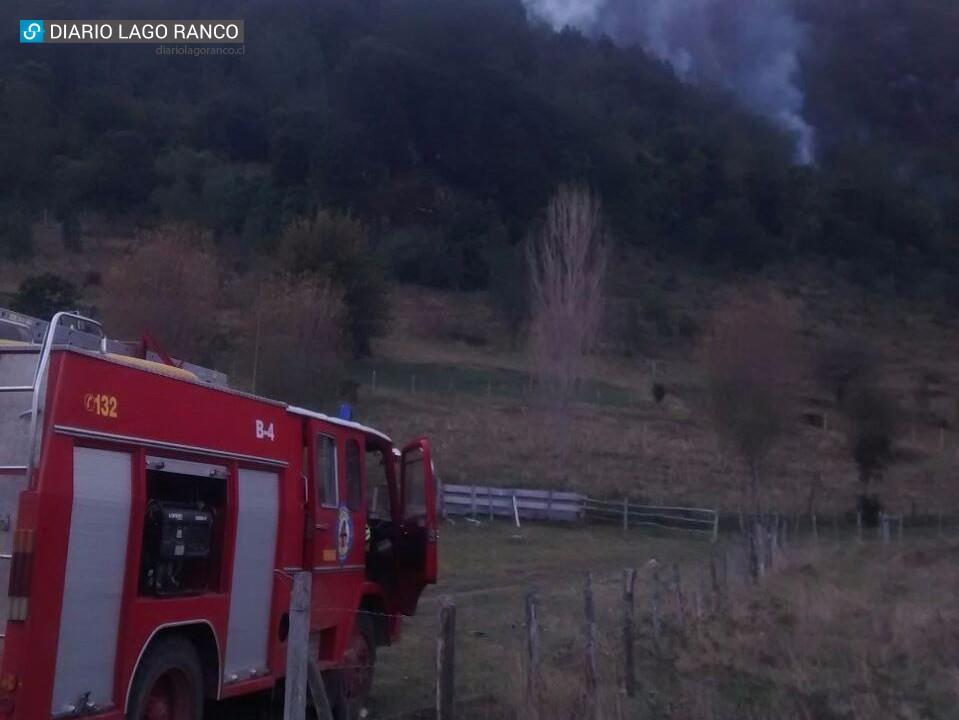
{"x": 444, "y": 125}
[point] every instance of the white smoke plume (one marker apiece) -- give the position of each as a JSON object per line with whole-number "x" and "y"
{"x": 750, "y": 47}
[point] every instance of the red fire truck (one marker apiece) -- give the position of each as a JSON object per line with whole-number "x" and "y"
{"x": 152, "y": 520}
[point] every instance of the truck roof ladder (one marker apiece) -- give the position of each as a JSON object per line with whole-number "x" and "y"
{"x": 25, "y": 345}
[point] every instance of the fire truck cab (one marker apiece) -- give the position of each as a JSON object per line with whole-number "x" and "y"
{"x": 152, "y": 521}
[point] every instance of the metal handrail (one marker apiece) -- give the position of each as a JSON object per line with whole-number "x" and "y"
{"x": 37, "y": 405}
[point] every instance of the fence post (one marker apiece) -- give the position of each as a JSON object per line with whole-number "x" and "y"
{"x": 654, "y": 615}
{"x": 774, "y": 540}
{"x": 625, "y": 514}
{"x": 757, "y": 549}
{"x": 473, "y": 501}
{"x": 532, "y": 658}
{"x": 885, "y": 529}
{"x": 701, "y": 595}
{"x": 592, "y": 697}
{"x": 321, "y": 702}
{"x": 815, "y": 529}
{"x": 715, "y": 525}
{"x": 680, "y": 601}
{"x": 445, "y": 660}
{"x": 298, "y": 648}
{"x": 771, "y": 549}
{"x": 515, "y": 510}
{"x": 629, "y": 671}
{"x": 725, "y": 576}
{"x": 549, "y": 505}
{"x": 714, "y": 577}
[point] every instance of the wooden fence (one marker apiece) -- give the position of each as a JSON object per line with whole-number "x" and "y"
{"x": 478, "y": 502}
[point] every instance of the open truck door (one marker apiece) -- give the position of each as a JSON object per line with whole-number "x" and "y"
{"x": 417, "y": 541}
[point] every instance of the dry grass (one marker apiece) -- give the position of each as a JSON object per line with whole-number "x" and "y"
{"x": 861, "y": 633}
{"x": 858, "y": 632}
{"x": 668, "y": 453}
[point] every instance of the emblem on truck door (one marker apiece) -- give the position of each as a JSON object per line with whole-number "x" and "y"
{"x": 344, "y": 534}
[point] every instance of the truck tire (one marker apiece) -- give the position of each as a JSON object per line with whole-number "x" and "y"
{"x": 352, "y": 683}
{"x": 168, "y": 684}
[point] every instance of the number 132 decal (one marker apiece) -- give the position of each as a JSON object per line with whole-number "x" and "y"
{"x": 102, "y": 405}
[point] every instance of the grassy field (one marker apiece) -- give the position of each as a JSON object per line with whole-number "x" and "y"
{"x": 488, "y": 571}
{"x": 838, "y": 633}
{"x": 473, "y": 398}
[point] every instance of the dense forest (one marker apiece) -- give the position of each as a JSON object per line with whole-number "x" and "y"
{"x": 444, "y": 126}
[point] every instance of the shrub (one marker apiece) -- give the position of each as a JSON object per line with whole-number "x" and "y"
{"x": 659, "y": 392}
{"x": 509, "y": 290}
{"x": 300, "y": 349}
{"x": 43, "y": 295}
{"x": 336, "y": 246}
{"x": 633, "y": 330}
{"x": 871, "y": 416}
{"x": 168, "y": 284}
{"x": 686, "y": 327}
{"x": 16, "y": 233}
{"x": 71, "y": 232}
{"x": 656, "y": 312}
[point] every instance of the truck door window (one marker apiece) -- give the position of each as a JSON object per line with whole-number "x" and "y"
{"x": 354, "y": 478}
{"x": 414, "y": 491}
{"x": 377, "y": 487}
{"x": 326, "y": 488}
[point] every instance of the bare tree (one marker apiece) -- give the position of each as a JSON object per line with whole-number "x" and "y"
{"x": 752, "y": 360}
{"x": 168, "y": 284}
{"x": 296, "y": 346}
{"x": 567, "y": 274}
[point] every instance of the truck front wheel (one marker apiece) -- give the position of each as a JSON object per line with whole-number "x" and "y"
{"x": 168, "y": 684}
